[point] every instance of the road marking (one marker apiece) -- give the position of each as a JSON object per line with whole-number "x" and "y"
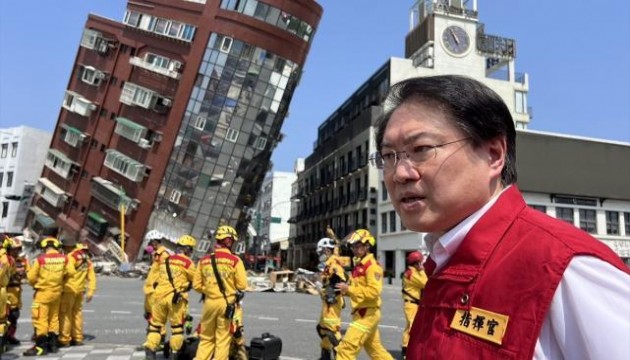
{"x": 88, "y": 311}
{"x": 120, "y": 312}
{"x": 388, "y": 326}
{"x": 305, "y": 320}
{"x": 268, "y": 318}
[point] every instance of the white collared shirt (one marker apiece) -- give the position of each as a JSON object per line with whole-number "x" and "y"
{"x": 589, "y": 316}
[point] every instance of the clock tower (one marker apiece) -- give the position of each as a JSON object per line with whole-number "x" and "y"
{"x": 446, "y": 37}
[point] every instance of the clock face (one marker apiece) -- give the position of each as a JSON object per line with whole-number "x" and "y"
{"x": 456, "y": 40}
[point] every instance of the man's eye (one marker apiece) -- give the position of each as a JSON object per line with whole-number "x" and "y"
{"x": 421, "y": 149}
{"x": 388, "y": 156}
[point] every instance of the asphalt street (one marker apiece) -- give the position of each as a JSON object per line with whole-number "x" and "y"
{"x": 114, "y": 323}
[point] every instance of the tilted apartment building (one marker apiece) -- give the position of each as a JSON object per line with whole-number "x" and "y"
{"x": 170, "y": 118}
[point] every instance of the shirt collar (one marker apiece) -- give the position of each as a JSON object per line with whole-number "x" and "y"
{"x": 443, "y": 247}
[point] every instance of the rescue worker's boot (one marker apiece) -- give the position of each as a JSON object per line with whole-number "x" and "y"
{"x": 403, "y": 352}
{"x": 53, "y": 343}
{"x": 327, "y": 354}
{"x": 40, "y": 347}
{"x": 2, "y": 346}
{"x": 10, "y": 338}
{"x": 149, "y": 354}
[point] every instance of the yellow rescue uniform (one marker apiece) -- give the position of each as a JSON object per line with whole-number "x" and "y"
{"x": 170, "y": 301}
{"x": 6, "y": 271}
{"x": 14, "y": 293}
{"x": 151, "y": 281}
{"x": 47, "y": 277}
{"x": 330, "y": 317}
{"x": 413, "y": 283}
{"x": 366, "y": 285}
{"x": 215, "y": 327}
{"x": 71, "y": 311}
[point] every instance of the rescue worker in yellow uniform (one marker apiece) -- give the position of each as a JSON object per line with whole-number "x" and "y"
{"x": 74, "y": 290}
{"x": 329, "y": 326}
{"x": 14, "y": 290}
{"x": 158, "y": 254}
{"x": 46, "y": 275}
{"x": 220, "y": 275}
{"x": 6, "y": 271}
{"x": 170, "y": 298}
{"x": 364, "y": 290}
{"x": 413, "y": 281}
{"x": 238, "y": 347}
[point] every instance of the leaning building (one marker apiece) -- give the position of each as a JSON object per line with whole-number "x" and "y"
{"x": 170, "y": 118}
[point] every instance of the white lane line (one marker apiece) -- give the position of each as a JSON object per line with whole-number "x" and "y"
{"x": 388, "y": 327}
{"x": 305, "y": 320}
{"x": 88, "y": 311}
{"x": 268, "y": 318}
{"x": 120, "y": 312}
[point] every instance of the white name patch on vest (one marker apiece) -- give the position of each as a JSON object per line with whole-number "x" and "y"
{"x": 481, "y": 323}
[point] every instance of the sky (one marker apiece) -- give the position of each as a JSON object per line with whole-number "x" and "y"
{"x": 577, "y": 57}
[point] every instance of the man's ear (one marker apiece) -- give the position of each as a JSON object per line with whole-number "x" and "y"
{"x": 497, "y": 151}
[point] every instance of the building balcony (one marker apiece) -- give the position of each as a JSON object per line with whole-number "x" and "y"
{"x": 112, "y": 195}
{"x": 77, "y": 104}
{"x": 61, "y": 164}
{"x": 51, "y": 193}
{"x": 171, "y": 70}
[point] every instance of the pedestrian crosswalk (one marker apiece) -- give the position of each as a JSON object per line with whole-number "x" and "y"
{"x": 88, "y": 352}
{"x": 92, "y": 352}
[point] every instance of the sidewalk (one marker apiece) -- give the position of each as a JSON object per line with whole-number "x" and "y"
{"x": 88, "y": 352}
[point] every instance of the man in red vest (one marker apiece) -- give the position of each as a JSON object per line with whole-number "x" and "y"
{"x": 505, "y": 281}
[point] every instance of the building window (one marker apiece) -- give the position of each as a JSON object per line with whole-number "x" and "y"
{"x": 383, "y": 223}
{"x": 157, "y": 60}
{"x": 540, "y": 208}
{"x": 200, "y": 122}
{"x": 392, "y": 221}
{"x": 133, "y": 94}
{"x": 588, "y": 220}
{"x": 5, "y": 209}
{"x": 125, "y": 165}
{"x": 231, "y": 135}
{"x": 132, "y": 18}
{"x": 626, "y": 220}
{"x": 9, "y": 178}
{"x": 14, "y": 147}
{"x": 612, "y": 222}
{"x": 565, "y": 214}
{"x": 5, "y": 149}
{"x": 175, "y": 196}
{"x": 260, "y": 143}
{"x": 90, "y": 75}
{"x": 520, "y": 102}
{"x": 1, "y": 178}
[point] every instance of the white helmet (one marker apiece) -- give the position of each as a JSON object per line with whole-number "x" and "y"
{"x": 154, "y": 235}
{"x": 325, "y": 243}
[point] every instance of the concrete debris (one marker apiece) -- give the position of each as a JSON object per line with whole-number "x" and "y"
{"x": 287, "y": 281}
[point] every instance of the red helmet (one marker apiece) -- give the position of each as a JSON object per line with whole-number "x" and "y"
{"x": 414, "y": 257}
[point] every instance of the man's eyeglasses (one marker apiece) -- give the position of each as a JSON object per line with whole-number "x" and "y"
{"x": 417, "y": 155}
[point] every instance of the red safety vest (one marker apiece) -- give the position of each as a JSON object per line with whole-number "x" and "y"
{"x": 490, "y": 300}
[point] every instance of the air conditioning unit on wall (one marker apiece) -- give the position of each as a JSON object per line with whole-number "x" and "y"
{"x": 145, "y": 144}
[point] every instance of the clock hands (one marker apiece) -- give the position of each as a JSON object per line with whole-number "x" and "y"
{"x": 452, "y": 32}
